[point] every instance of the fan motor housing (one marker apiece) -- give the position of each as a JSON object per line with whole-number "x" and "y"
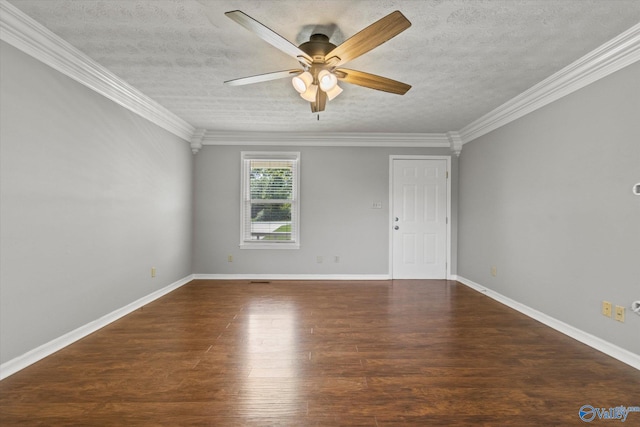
{"x": 317, "y": 47}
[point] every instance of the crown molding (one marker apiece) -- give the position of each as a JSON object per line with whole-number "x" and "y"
{"x": 32, "y": 38}
{"x": 328, "y": 139}
{"x": 196, "y": 140}
{"x": 455, "y": 142}
{"x": 26, "y": 34}
{"x": 612, "y": 56}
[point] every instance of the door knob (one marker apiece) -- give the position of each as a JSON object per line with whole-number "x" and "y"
{"x": 397, "y": 219}
{"x": 396, "y": 227}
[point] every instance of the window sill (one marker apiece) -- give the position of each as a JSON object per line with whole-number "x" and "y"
{"x": 276, "y": 246}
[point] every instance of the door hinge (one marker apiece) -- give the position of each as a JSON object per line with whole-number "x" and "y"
{"x": 447, "y": 220}
{"x": 447, "y": 174}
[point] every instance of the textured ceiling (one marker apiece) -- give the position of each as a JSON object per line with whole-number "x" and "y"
{"x": 463, "y": 58}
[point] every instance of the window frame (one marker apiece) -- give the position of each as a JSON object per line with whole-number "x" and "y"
{"x": 245, "y": 195}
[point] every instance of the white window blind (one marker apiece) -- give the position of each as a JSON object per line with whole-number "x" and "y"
{"x": 270, "y": 208}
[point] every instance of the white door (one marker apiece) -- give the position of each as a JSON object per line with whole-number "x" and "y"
{"x": 419, "y": 219}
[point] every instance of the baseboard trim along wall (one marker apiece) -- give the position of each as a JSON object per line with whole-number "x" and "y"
{"x": 592, "y": 341}
{"x": 14, "y": 365}
{"x": 39, "y": 353}
{"x": 291, "y": 277}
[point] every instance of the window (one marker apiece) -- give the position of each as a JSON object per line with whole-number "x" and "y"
{"x": 270, "y": 205}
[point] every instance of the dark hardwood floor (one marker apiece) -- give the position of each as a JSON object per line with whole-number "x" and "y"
{"x": 225, "y": 353}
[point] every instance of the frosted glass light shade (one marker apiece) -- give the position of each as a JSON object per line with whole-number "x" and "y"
{"x": 337, "y": 90}
{"x": 302, "y": 82}
{"x": 310, "y": 93}
{"x": 327, "y": 80}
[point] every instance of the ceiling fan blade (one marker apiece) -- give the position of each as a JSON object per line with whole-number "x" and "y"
{"x": 269, "y": 35}
{"x": 372, "y": 36}
{"x": 263, "y": 77}
{"x": 372, "y": 81}
{"x": 321, "y": 102}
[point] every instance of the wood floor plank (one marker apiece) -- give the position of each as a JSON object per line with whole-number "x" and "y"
{"x": 291, "y": 353}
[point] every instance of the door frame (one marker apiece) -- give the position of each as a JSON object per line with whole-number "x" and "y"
{"x": 448, "y": 244}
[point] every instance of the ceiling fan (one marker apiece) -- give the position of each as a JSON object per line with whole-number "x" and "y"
{"x": 321, "y": 60}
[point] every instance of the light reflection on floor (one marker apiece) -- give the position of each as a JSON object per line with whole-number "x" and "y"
{"x": 272, "y": 356}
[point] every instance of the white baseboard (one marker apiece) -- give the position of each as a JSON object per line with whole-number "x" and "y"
{"x": 291, "y": 277}
{"x": 592, "y": 341}
{"x": 38, "y": 353}
{"x": 29, "y": 358}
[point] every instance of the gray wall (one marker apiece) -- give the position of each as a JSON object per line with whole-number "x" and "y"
{"x": 337, "y": 188}
{"x": 547, "y": 200}
{"x": 92, "y": 197}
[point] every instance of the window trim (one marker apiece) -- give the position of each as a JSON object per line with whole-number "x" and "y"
{"x": 245, "y": 158}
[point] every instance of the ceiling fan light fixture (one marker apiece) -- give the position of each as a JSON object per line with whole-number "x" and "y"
{"x": 337, "y": 90}
{"x": 302, "y": 82}
{"x": 310, "y": 94}
{"x": 327, "y": 80}
{"x": 320, "y": 59}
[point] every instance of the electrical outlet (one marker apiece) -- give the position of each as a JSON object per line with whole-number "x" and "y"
{"x": 606, "y": 308}
{"x": 229, "y": 258}
{"x": 620, "y": 313}
{"x": 319, "y": 259}
{"x": 494, "y": 271}
{"x": 153, "y": 272}
{"x": 336, "y": 259}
